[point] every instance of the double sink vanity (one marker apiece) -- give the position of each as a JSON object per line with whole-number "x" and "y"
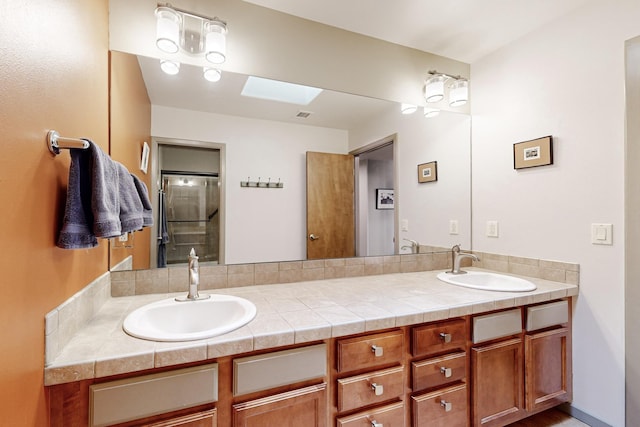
{"x": 402, "y": 349}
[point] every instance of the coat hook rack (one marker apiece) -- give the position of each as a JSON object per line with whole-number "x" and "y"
{"x": 261, "y": 184}
{"x": 55, "y": 142}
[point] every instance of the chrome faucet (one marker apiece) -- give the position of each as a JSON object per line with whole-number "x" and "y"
{"x": 456, "y": 257}
{"x": 415, "y": 246}
{"x": 194, "y": 279}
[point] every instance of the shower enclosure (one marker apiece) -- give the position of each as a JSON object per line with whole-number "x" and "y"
{"x": 189, "y": 204}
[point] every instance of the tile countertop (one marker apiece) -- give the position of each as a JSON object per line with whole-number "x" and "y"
{"x": 293, "y": 313}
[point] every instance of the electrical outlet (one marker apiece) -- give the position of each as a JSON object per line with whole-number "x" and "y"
{"x": 124, "y": 237}
{"x": 404, "y": 225}
{"x": 492, "y": 229}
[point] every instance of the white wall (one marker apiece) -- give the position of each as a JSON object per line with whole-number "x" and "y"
{"x": 567, "y": 80}
{"x": 261, "y": 224}
{"x": 428, "y": 207}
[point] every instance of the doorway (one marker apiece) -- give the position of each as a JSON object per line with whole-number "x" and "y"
{"x": 188, "y": 194}
{"x": 376, "y": 220}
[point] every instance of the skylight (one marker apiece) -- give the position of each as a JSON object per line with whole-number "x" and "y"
{"x": 257, "y": 87}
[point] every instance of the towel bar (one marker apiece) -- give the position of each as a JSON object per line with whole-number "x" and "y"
{"x": 55, "y": 142}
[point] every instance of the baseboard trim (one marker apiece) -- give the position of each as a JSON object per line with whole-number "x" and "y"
{"x": 582, "y": 416}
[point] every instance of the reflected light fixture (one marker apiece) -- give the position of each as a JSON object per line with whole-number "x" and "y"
{"x": 180, "y": 31}
{"x": 170, "y": 67}
{"x": 431, "y": 112}
{"x": 408, "y": 108}
{"x": 434, "y": 89}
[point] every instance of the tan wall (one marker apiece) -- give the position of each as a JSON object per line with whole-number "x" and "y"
{"x": 53, "y": 75}
{"x": 129, "y": 127}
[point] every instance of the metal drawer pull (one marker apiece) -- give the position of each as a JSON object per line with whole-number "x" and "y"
{"x": 445, "y": 337}
{"x": 446, "y": 372}
{"x": 377, "y": 388}
{"x": 374, "y": 423}
{"x": 446, "y": 405}
{"x": 378, "y": 351}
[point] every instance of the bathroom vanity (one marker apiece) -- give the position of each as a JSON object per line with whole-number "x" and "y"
{"x": 410, "y": 351}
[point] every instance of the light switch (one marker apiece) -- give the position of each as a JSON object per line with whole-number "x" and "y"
{"x": 602, "y": 234}
{"x": 404, "y": 225}
{"x": 453, "y": 226}
{"x": 492, "y": 228}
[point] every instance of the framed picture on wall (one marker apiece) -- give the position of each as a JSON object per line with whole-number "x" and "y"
{"x": 428, "y": 172}
{"x": 529, "y": 154}
{"x": 384, "y": 198}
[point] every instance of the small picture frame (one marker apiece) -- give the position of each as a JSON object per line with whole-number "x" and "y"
{"x": 144, "y": 159}
{"x": 530, "y": 154}
{"x": 428, "y": 172}
{"x": 385, "y": 198}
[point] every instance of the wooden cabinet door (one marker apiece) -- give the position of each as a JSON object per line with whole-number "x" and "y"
{"x": 497, "y": 383}
{"x": 305, "y": 407}
{"x": 200, "y": 419}
{"x": 387, "y": 416}
{"x": 548, "y": 369}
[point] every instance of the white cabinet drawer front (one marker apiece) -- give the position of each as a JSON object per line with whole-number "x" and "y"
{"x": 265, "y": 371}
{"x": 133, "y": 398}
{"x": 545, "y": 315}
{"x": 497, "y": 325}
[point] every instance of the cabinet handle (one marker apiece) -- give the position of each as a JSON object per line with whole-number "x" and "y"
{"x": 378, "y": 389}
{"x": 446, "y": 405}
{"x": 446, "y": 338}
{"x": 446, "y": 372}
{"x": 377, "y": 350}
{"x": 374, "y": 423}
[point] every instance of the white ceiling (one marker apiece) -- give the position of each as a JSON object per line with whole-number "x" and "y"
{"x": 465, "y": 30}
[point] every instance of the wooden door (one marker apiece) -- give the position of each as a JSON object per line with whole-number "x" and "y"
{"x": 306, "y": 407}
{"x": 548, "y": 369}
{"x": 330, "y": 206}
{"x": 497, "y": 383}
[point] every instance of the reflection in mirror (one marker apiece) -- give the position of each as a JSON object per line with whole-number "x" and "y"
{"x": 265, "y": 140}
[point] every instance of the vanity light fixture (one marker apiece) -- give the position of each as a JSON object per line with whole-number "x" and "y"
{"x": 435, "y": 87}
{"x": 408, "y": 108}
{"x": 431, "y": 112}
{"x": 178, "y": 30}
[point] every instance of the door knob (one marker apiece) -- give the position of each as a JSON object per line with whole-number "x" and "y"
{"x": 313, "y": 237}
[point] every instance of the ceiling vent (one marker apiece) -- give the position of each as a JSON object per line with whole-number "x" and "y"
{"x": 303, "y": 114}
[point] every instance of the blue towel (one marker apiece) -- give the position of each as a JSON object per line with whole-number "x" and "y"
{"x": 163, "y": 237}
{"x": 147, "y": 212}
{"x": 92, "y": 206}
{"x": 130, "y": 203}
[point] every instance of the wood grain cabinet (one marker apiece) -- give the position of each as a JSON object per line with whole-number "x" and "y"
{"x": 370, "y": 377}
{"x": 438, "y": 374}
{"x": 200, "y": 419}
{"x": 497, "y": 378}
{"x": 305, "y": 407}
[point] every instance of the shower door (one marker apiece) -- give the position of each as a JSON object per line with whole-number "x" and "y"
{"x": 191, "y": 203}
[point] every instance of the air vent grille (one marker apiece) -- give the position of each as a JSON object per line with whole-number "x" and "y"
{"x": 303, "y": 114}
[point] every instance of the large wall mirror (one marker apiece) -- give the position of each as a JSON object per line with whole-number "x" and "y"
{"x": 255, "y": 140}
{"x": 228, "y": 139}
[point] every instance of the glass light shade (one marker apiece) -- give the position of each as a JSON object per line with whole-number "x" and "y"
{"x": 408, "y": 108}
{"x": 167, "y": 30}
{"x": 431, "y": 112}
{"x": 212, "y": 74}
{"x": 459, "y": 93}
{"x": 215, "y": 42}
{"x": 170, "y": 67}
{"x": 434, "y": 89}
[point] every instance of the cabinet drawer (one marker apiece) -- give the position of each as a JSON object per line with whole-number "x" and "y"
{"x": 439, "y": 337}
{"x": 497, "y": 325}
{"x": 545, "y": 315}
{"x": 140, "y": 397}
{"x": 439, "y": 371}
{"x": 265, "y": 371}
{"x": 442, "y": 408}
{"x": 385, "y": 416}
{"x": 370, "y": 351}
{"x": 370, "y": 388}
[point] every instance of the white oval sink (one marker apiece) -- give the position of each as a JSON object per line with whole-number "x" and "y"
{"x": 487, "y": 281}
{"x": 171, "y": 320}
